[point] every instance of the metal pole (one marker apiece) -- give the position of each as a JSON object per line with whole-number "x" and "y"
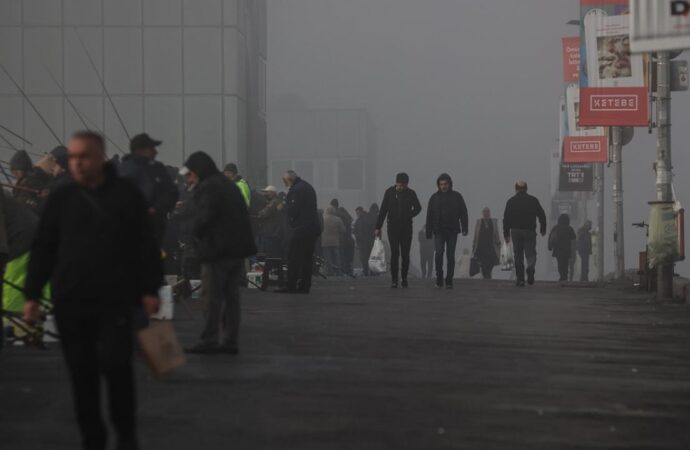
{"x": 619, "y": 237}
{"x": 599, "y": 180}
{"x": 664, "y": 166}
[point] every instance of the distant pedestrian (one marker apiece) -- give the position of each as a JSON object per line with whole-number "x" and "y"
{"x": 400, "y": 205}
{"x": 152, "y": 179}
{"x": 561, "y": 241}
{"x": 223, "y": 232}
{"x": 96, "y": 246}
{"x": 347, "y": 244}
{"x": 487, "y": 243}
{"x": 305, "y": 228}
{"x": 446, "y": 217}
{"x": 584, "y": 248}
{"x": 233, "y": 174}
{"x": 426, "y": 253}
{"x": 519, "y": 226}
{"x": 331, "y": 240}
{"x": 270, "y": 220}
{"x": 364, "y": 230}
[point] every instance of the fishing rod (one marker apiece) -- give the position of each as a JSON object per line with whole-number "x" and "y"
{"x": 100, "y": 79}
{"x": 81, "y": 117}
{"x": 17, "y": 135}
{"x": 26, "y": 97}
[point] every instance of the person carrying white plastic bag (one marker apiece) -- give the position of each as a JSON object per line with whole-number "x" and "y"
{"x": 507, "y": 258}
{"x": 377, "y": 258}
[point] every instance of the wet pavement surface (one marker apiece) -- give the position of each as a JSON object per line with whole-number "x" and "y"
{"x": 357, "y": 365}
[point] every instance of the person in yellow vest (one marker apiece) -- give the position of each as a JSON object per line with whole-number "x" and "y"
{"x": 232, "y": 173}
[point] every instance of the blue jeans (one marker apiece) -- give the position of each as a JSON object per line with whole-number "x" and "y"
{"x": 445, "y": 241}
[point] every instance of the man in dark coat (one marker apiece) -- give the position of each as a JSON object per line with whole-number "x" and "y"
{"x": 584, "y": 248}
{"x": 520, "y": 224}
{"x": 224, "y": 236}
{"x": 95, "y": 245}
{"x": 152, "y": 178}
{"x": 305, "y": 228}
{"x": 446, "y": 217}
{"x": 400, "y": 205}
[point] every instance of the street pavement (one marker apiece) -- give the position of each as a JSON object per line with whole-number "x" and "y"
{"x": 357, "y": 365}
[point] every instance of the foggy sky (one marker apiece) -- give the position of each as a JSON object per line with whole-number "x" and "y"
{"x": 467, "y": 87}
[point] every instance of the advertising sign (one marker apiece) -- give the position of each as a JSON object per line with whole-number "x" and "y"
{"x": 571, "y": 59}
{"x": 583, "y": 144}
{"x": 612, "y": 79}
{"x": 576, "y": 178}
{"x": 659, "y": 25}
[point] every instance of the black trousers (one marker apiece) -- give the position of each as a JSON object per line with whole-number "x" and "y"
{"x": 300, "y": 263}
{"x": 584, "y": 267}
{"x": 524, "y": 248}
{"x": 487, "y": 269}
{"x": 426, "y": 261}
{"x": 563, "y": 267}
{"x": 97, "y": 342}
{"x": 400, "y": 242}
{"x": 365, "y": 247}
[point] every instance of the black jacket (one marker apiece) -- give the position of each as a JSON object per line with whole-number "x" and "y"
{"x": 18, "y": 225}
{"x": 221, "y": 219}
{"x": 561, "y": 238}
{"x": 447, "y": 212}
{"x": 301, "y": 210}
{"x": 95, "y": 245}
{"x": 400, "y": 208}
{"x": 522, "y": 212}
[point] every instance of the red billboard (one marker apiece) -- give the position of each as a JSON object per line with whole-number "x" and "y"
{"x": 586, "y": 149}
{"x": 571, "y": 59}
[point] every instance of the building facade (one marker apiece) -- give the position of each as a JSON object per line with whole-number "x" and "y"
{"x": 189, "y": 72}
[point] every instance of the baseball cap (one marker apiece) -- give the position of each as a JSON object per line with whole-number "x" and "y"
{"x": 270, "y": 189}
{"x": 141, "y": 141}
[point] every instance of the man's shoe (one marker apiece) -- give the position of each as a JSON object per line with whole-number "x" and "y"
{"x": 439, "y": 282}
{"x": 449, "y": 285}
{"x": 530, "y": 277}
{"x": 394, "y": 285}
{"x": 520, "y": 283}
{"x": 404, "y": 284}
{"x": 203, "y": 348}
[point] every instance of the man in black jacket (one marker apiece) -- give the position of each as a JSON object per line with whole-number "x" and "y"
{"x": 152, "y": 178}
{"x": 305, "y": 228}
{"x": 95, "y": 245}
{"x": 400, "y": 205}
{"x": 224, "y": 235}
{"x": 520, "y": 224}
{"x": 446, "y": 217}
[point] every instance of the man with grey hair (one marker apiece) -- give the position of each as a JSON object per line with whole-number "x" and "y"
{"x": 305, "y": 226}
{"x": 519, "y": 225}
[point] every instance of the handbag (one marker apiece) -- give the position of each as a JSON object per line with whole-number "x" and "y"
{"x": 475, "y": 266}
{"x": 161, "y": 348}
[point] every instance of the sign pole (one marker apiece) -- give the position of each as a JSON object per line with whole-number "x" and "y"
{"x": 618, "y": 237}
{"x": 664, "y": 166}
{"x": 599, "y": 186}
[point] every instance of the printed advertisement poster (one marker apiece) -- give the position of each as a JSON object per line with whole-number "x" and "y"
{"x": 612, "y": 79}
{"x": 659, "y": 25}
{"x": 583, "y": 144}
{"x": 571, "y": 59}
{"x": 576, "y": 178}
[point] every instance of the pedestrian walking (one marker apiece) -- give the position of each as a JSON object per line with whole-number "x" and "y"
{"x": 223, "y": 232}
{"x": 152, "y": 178}
{"x": 426, "y": 253}
{"x": 487, "y": 243}
{"x": 400, "y": 205}
{"x": 446, "y": 217}
{"x": 96, "y": 246}
{"x": 561, "y": 241}
{"x": 364, "y": 230}
{"x": 519, "y": 226}
{"x": 305, "y": 228}
{"x": 584, "y": 248}
{"x": 331, "y": 240}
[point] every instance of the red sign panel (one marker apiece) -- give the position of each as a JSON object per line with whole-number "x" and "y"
{"x": 614, "y": 107}
{"x": 571, "y": 59}
{"x": 590, "y": 149}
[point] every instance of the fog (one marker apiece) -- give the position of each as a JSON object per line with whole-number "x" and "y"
{"x": 460, "y": 86}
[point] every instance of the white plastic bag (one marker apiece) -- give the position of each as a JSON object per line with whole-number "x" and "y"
{"x": 507, "y": 258}
{"x": 377, "y": 258}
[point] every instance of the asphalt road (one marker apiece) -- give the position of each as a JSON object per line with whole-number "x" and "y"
{"x": 356, "y": 365}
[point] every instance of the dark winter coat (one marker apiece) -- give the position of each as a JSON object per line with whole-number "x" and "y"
{"x": 301, "y": 210}
{"x": 19, "y": 224}
{"x": 447, "y": 212}
{"x": 522, "y": 212}
{"x": 95, "y": 245}
{"x": 584, "y": 241}
{"x": 33, "y": 183}
{"x": 364, "y": 228}
{"x": 399, "y": 208}
{"x": 221, "y": 220}
{"x": 561, "y": 238}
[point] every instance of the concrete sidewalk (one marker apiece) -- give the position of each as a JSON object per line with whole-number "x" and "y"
{"x": 356, "y": 365}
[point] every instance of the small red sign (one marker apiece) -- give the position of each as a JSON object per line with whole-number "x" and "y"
{"x": 571, "y": 59}
{"x": 580, "y": 149}
{"x": 611, "y": 107}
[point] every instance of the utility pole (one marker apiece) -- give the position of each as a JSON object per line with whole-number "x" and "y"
{"x": 619, "y": 238}
{"x": 599, "y": 186}
{"x": 664, "y": 165}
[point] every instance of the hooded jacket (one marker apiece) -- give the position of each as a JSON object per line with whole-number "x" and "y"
{"x": 95, "y": 245}
{"x": 447, "y": 212}
{"x": 561, "y": 238}
{"x": 221, "y": 220}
